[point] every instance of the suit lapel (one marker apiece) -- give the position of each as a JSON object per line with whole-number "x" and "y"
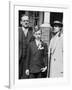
{"x": 29, "y": 35}
{"x": 23, "y": 35}
{"x": 55, "y": 44}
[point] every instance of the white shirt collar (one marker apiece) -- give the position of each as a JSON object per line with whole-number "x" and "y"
{"x": 25, "y": 30}
{"x": 38, "y": 42}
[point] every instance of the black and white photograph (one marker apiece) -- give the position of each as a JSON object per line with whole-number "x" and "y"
{"x": 40, "y": 44}
{"x": 38, "y": 53}
{"x": 36, "y": 45}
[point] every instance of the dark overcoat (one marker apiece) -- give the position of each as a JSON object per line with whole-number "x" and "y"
{"x": 23, "y": 45}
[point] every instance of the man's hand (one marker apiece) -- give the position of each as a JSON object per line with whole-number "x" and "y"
{"x": 44, "y": 69}
{"x": 27, "y": 72}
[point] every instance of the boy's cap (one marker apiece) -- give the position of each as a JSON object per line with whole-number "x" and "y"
{"x": 37, "y": 28}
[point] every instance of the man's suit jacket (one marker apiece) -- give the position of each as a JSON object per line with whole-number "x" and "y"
{"x": 36, "y": 59}
{"x": 23, "y": 45}
{"x": 24, "y": 41}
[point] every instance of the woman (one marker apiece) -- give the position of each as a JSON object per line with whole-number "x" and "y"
{"x": 56, "y": 51}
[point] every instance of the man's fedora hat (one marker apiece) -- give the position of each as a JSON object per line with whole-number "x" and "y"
{"x": 57, "y": 23}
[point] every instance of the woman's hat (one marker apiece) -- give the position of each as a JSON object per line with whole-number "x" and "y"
{"x": 57, "y": 23}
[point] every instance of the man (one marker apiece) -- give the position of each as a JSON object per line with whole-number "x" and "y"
{"x": 25, "y": 36}
{"x": 56, "y": 51}
{"x": 37, "y": 57}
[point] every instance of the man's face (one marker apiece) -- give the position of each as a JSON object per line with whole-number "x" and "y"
{"x": 37, "y": 35}
{"x": 25, "y": 21}
{"x": 56, "y": 29}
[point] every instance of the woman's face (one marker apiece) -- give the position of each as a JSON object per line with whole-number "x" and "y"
{"x": 56, "y": 29}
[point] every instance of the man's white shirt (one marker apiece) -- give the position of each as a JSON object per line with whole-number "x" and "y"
{"x": 25, "y": 31}
{"x": 38, "y": 42}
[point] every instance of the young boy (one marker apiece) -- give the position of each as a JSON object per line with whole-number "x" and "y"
{"x": 37, "y": 57}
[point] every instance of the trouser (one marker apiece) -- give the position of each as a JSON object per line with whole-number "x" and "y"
{"x": 22, "y": 69}
{"x": 38, "y": 75}
{"x": 35, "y": 75}
{"x": 44, "y": 74}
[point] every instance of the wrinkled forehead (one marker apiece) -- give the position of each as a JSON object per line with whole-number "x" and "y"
{"x": 25, "y": 18}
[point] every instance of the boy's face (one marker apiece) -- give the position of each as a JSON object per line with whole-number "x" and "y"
{"x": 25, "y": 21}
{"x": 37, "y": 35}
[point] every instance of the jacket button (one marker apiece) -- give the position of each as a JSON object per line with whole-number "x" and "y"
{"x": 54, "y": 59}
{"x": 61, "y": 72}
